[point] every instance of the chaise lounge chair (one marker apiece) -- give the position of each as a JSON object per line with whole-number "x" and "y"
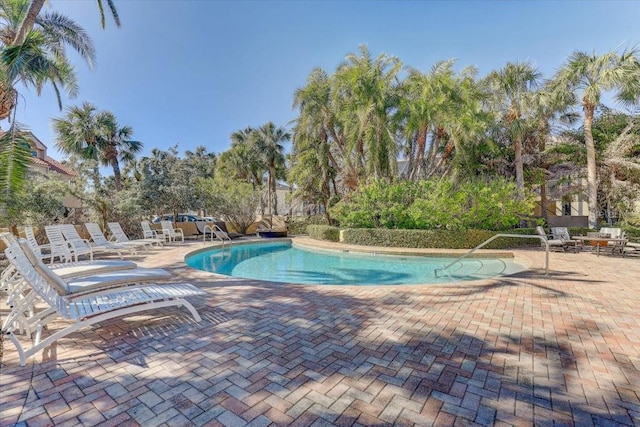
{"x": 170, "y": 233}
{"x": 88, "y": 308}
{"x": 150, "y": 233}
{"x": 102, "y": 243}
{"x": 121, "y": 237}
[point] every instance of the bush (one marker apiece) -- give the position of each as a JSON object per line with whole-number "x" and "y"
{"x": 439, "y": 239}
{"x": 433, "y": 204}
{"x": 324, "y": 232}
{"x": 299, "y": 224}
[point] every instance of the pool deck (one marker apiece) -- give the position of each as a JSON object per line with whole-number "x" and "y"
{"x": 519, "y": 350}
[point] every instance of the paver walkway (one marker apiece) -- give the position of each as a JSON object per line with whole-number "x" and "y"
{"x": 522, "y": 350}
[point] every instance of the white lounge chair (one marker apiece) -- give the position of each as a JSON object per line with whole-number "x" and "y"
{"x": 75, "y": 282}
{"x": 121, "y": 237}
{"x": 89, "y": 308}
{"x": 58, "y": 242}
{"x": 170, "y": 233}
{"x": 102, "y": 243}
{"x": 150, "y": 233}
{"x": 61, "y": 252}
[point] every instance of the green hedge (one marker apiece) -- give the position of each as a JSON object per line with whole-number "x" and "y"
{"x": 441, "y": 239}
{"x": 299, "y": 224}
{"x": 324, "y": 232}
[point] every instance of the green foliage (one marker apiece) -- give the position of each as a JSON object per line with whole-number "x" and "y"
{"x": 433, "y": 204}
{"x": 324, "y": 232}
{"x": 41, "y": 205}
{"x": 14, "y": 160}
{"x": 439, "y": 239}
{"x": 233, "y": 200}
{"x": 298, "y": 224}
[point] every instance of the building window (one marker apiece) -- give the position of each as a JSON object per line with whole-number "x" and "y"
{"x": 566, "y": 208}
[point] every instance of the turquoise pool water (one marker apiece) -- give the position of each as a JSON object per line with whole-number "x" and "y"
{"x": 283, "y": 262}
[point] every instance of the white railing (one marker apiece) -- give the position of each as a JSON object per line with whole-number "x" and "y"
{"x": 216, "y": 232}
{"x": 491, "y": 239}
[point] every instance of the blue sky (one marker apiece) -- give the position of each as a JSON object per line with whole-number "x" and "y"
{"x": 192, "y": 72}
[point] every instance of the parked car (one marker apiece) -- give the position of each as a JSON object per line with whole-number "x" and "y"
{"x": 181, "y": 218}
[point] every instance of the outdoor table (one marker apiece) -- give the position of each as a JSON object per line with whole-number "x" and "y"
{"x": 619, "y": 242}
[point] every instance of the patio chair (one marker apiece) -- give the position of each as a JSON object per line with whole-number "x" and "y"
{"x": 88, "y": 308}
{"x": 75, "y": 281}
{"x": 562, "y": 233}
{"x": 554, "y": 244}
{"x": 121, "y": 237}
{"x": 61, "y": 252}
{"x": 102, "y": 243}
{"x": 150, "y": 233}
{"x": 170, "y": 233}
{"x": 77, "y": 246}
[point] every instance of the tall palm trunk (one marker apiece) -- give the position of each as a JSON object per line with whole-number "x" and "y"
{"x": 592, "y": 182}
{"x": 517, "y": 146}
{"x": 27, "y": 23}
{"x": 111, "y": 153}
{"x": 272, "y": 189}
{"x": 419, "y": 163}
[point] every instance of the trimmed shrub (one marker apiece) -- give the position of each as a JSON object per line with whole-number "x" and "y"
{"x": 299, "y": 224}
{"x": 439, "y": 239}
{"x": 324, "y": 232}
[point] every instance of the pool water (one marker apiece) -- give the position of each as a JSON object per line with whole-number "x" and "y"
{"x": 284, "y": 262}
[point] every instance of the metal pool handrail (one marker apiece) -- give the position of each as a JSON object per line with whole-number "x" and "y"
{"x": 492, "y": 238}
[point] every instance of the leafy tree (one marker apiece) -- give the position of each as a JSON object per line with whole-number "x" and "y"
{"x": 586, "y": 77}
{"x": 314, "y": 166}
{"x": 166, "y": 184}
{"x": 268, "y": 143}
{"x": 115, "y": 145}
{"x": 365, "y": 96}
{"x": 96, "y": 135}
{"x": 233, "y": 200}
{"x": 511, "y": 91}
{"x": 36, "y": 60}
{"x": 38, "y": 57}
{"x": 31, "y": 15}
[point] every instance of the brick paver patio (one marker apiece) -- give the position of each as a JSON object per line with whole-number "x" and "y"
{"x": 521, "y": 350}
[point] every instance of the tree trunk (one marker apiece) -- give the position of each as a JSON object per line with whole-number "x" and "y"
{"x": 416, "y": 171}
{"x": 272, "y": 188}
{"x": 517, "y": 146}
{"x": 543, "y": 198}
{"x": 117, "y": 176}
{"x": 29, "y": 20}
{"x": 8, "y": 96}
{"x": 592, "y": 179}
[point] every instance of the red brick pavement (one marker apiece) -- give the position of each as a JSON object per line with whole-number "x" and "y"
{"x": 521, "y": 350}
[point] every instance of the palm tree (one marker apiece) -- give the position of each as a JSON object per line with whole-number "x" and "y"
{"x": 315, "y": 139}
{"x": 365, "y": 96}
{"x": 30, "y": 18}
{"x": 40, "y": 57}
{"x": 268, "y": 140}
{"x": 590, "y": 76}
{"x": 115, "y": 145}
{"x": 511, "y": 89}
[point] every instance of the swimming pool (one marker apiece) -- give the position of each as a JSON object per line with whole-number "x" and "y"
{"x": 284, "y": 262}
